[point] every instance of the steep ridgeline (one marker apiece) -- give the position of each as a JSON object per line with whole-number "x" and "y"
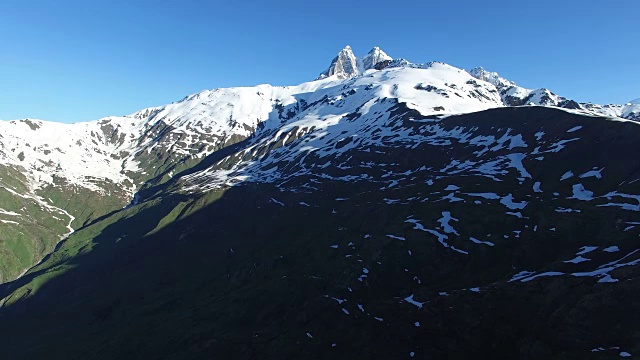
{"x": 514, "y": 95}
{"x": 359, "y": 209}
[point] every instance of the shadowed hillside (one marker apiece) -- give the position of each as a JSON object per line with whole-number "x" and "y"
{"x": 508, "y": 233}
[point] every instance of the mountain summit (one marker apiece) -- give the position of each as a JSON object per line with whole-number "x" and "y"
{"x": 375, "y": 56}
{"x": 346, "y": 65}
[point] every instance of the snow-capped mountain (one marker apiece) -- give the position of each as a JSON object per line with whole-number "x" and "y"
{"x": 373, "y": 58}
{"x": 342, "y": 66}
{"x": 69, "y": 166}
{"x": 114, "y": 147}
{"x": 117, "y": 149}
{"x": 391, "y": 200}
{"x": 346, "y": 65}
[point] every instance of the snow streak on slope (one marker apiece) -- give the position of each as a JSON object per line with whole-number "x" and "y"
{"x": 62, "y": 237}
{"x": 491, "y": 165}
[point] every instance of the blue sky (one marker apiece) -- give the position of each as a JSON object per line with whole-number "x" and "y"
{"x": 70, "y": 60}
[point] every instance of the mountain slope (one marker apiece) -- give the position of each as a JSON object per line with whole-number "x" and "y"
{"x": 404, "y": 202}
{"x": 516, "y": 214}
{"x": 90, "y": 169}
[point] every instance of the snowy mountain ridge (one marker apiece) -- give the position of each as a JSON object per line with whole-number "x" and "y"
{"x": 111, "y": 149}
{"x": 491, "y": 77}
{"x": 514, "y": 95}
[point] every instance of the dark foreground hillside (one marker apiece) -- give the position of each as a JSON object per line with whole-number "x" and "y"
{"x": 511, "y": 233}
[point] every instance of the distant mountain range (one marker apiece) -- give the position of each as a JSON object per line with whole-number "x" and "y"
{"x": 387, "y": 209}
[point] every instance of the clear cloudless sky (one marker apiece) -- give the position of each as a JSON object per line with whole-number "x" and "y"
{"x": 77, "y": 60}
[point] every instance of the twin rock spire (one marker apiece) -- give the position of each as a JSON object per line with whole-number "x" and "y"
{"x": 346, "y": 65}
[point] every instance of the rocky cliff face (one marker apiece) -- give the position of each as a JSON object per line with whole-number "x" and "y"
{"x": 342, "y": 66}
{"x": 374, "y": 57}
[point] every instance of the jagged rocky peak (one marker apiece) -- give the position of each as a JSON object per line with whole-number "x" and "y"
{"x": 514, "y": 95}
{"x": 346, "y": 65}
{"x": 491, "y": 77}
{"x": 375, "y": 56}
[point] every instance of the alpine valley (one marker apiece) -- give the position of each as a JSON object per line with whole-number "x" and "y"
{"x": 386, "y": 210}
